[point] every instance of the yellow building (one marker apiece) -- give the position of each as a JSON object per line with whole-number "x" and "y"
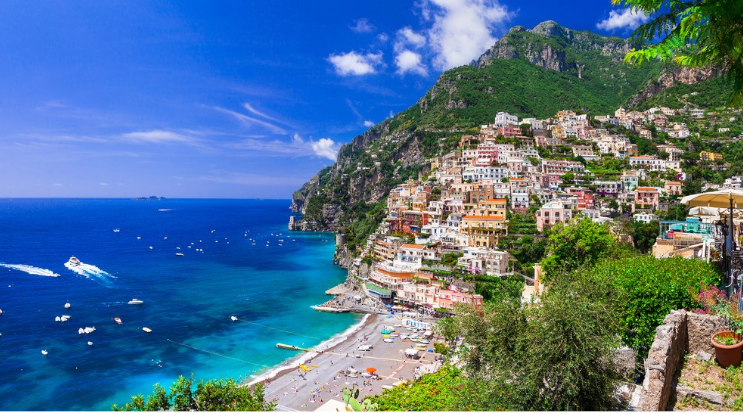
{"x": 710, "y": 156}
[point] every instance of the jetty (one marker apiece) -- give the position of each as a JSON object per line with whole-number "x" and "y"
{"x": 290, "y": 347}
{"x": 330, "y": 309}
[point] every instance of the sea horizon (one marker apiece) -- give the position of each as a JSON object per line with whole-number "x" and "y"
{"x": 251, "y": 267}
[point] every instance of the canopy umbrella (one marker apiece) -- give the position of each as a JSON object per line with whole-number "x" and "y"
{"x": 371, "y": 370}
{"x": 727, "y": 199}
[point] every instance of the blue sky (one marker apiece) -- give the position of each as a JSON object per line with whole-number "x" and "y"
{"x": 226, "y": 99}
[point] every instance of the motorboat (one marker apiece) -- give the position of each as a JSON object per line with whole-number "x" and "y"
{"x": 117, "y": 320}
{"x": 146, "y": 329}
{"x": 73, "y": 261}
{"x": 135, "y": 301}
{"x": 57, "y": 319}
{"x": 388, "y": 340}
{"x": 179, "y": 254}
{"x": 233, "y": 318}
{"x": 90, "y": 343}
{"x": 64, "y": 318}
{"x": 365, "y": 347}
{"x": 150, "y": 246}
{"x": 117, "y": 230}
{"x": 67, "y": 305}
{"x": 44, "y": 352}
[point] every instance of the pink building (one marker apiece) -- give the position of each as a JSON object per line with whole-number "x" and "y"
{"x": 553, "y": 212}
{"x": 447, "y": 299}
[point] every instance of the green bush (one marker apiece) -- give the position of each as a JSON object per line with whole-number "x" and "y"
{"x": 440, "y": 391}
{"x": 649, "y": 288}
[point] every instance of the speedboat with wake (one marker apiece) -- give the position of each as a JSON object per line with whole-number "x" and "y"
{"x": 74, "y": 262}
{"x": 135, "y": 301}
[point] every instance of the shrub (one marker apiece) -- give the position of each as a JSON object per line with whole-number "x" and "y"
{"x": 440, "y": 391}
{"x": 649, "y": 288}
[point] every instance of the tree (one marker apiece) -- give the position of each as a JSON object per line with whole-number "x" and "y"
{"x": 644, "y": 235}
{"x": 693, "y": 34}
{"x": 224, "y": 395}
{"x": 576, "y": 243}
{"x": 553, "y": 356}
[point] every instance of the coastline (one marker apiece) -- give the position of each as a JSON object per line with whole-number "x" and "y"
{"x": 329, "y": 344}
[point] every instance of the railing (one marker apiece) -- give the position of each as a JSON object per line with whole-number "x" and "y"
{"x": 668, "y": 229}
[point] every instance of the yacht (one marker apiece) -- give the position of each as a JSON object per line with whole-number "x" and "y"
{"x": 146, "y": 329}
{"x": 67, "y": 305}
{"x": 118, "y": 320}
{"x": 179, "y": 254}
{"x": 73, "y": 261}
{"x": 117, "y": 230}
{"x": 135, "y": 301}
{"x": 44, "y": 352}
{"x": 233, "y": 318}
{"x": 90, "y": 343}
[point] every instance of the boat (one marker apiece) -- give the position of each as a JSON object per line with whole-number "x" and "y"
{"x": 44, "y": 352}
{"x": 80, "y": 331}
{"x": 118, "y": 320}
{"x": 117, "y": 230}
{"x": 150, "y": 246}
{"x": 67, "y": 305}
{"x": 73, "y": 261}
{"x": 179, "y": 254}
{"x": 388, "y": 340}
{"x": 90, "y": 343}
{"x": 135, "y": 301}
{"x": 233, "y": 318}
{"x": 57, "y": 319}
{"x": 146, "y": 329}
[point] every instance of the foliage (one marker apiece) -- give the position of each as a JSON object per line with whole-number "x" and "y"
{"x": 649, "y": 288}
{"x": 440, "y": 391}
{"x": 579, "y": 242}
{"x": 211, "y": 395}
{"x": 368, "y": 217}
{"x": 694, "y": 34}
{"x": 551, "y": 356}
{"x": 450, "y": 258}
{"x": 715, "y": 301}
{"x": 499, "y": 288}
{"x": 440, "y": 348}
{"x": 644, "y": 235}
{"x": 350, "y": 397}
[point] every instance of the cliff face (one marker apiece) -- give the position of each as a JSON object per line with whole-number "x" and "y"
{"x": 671, "y": 76}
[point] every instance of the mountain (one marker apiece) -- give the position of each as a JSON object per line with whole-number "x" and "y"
{"x": 529, "y": 73}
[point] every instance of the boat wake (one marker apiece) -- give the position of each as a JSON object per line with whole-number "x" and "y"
{"x": 31, "y": 270}
{"x": 87, "y": 270}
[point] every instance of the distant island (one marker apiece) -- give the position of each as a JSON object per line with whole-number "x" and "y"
{"x": 150, "y": 198}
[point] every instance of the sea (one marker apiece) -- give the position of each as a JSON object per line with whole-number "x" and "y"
{"x": 238, "y": 260}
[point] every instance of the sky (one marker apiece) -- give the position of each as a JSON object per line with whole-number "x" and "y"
{"x": 227, "y": 99}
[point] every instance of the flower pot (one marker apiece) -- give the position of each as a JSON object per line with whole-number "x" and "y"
{"x": 728, "y": 355}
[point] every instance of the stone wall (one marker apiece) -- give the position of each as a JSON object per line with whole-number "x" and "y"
{"x": 681, "y": 333}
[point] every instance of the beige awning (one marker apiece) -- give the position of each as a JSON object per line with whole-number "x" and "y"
{"x": 716, "y": 199}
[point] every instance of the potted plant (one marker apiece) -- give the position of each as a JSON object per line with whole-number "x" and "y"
{"x": 728, "y": 344}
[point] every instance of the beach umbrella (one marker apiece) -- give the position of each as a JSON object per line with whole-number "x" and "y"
{"x": 727, "y": 199}
{"x": 371, "y": 370}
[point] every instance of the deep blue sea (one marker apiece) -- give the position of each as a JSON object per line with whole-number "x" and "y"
{"x": 188, "y": 301}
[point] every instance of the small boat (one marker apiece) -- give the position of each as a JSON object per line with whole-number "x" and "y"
{"x": 179, "y": 254}
{"x": 135, "y": 301}
{"x": 233, "y": 318}
{"x": 44, "y": 352}
{"x": 117, "y": 230}
{"x": 80, "y": 331}
{"x": 146, "y": 329}
{"x": 73, "y": 261}
{"x": 57, "y": 319}
{"x": 150, "y": 246}
{"x": 139, "y": 237}
{"x": 67, "y": 305}
{"x": 388, "y": 340}
{"x": 117, "y": 320}
{"x": 90, "y": 343}
{"x": 64, "y": 318}
{"x": 165, "y": 237}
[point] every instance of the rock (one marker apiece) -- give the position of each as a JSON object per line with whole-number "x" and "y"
{"x": 624, "y": 359}
{"x": 702, "y": 355}
{"x": 709, "y": 396}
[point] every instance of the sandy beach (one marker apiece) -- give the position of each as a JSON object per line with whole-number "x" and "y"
{"x": 297, "y": 389}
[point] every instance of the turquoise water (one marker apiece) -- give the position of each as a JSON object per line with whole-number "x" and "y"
{"x": 269, "y": 285}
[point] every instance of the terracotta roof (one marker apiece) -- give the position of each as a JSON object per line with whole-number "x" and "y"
{"x": 646, "y": 189}
{"x": 478, "y": 217}
{"x": 414, "y": 246}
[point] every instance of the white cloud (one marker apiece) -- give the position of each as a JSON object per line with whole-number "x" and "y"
{"x": 410, "y": 62}
{"x": 256, "y": 112}
{"x": 383, "y": 37}
{"x": 297, "y": 140}
{"x": 326, "y": 148}
{"x": 363, "y": 26}
{"x": 462, "y": 29}
{"x": 250, "y": 121}
{"x": 626, "y": 19}
{"x": 407, "y": 37}
{"x": 368, "y": 123}
{"x": 157, "y": 136}
{"x": 103, "y": 184}
{"x": 352, "y": 63}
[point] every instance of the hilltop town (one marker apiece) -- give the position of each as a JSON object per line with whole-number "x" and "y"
{"x": 483, "y": 209}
